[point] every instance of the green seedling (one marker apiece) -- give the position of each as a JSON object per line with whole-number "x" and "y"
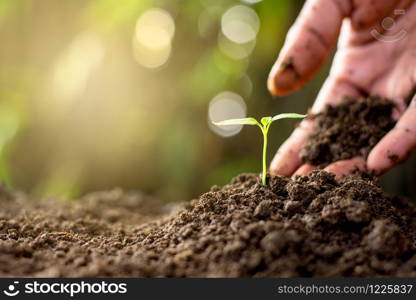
{"x": 264, "y": 125}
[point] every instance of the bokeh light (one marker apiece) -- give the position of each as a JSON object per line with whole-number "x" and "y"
{"x": 240, "y": 24}
{"x": 235, "y": 50}
{"x": 152, "y": 42}
{"x": 226, "y": 105}
{"x": 246, "y": 85}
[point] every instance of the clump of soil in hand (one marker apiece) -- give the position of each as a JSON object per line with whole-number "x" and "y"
{"x": 307, "y": 226}
{"x": 347, "y": 130}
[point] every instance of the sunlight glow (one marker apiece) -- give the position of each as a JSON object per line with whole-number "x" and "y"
{"x": 152, "y": 42}
{"x": 74, "y": 67}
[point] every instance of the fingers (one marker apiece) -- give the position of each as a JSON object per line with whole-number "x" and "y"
{"x": 339, "y": 168}
{"x": 397, "y": 83}
{"x": 367, "y": 13}
{"x": 344, "y": 167}
{"x": 397, "y": 144}
{"x": 287, "y": 159}
{"x": 333, "y": 91}
{"x": 308, "y": 43}
{"x": 370, "y": 20}
{"x": 304, "y": 170}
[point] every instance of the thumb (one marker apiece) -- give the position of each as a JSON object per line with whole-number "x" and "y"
{"x": 396, "y": 145}
{"x": 308, "y": 44}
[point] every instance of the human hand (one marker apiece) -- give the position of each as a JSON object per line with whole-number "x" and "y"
{"x": 376, "y": 55}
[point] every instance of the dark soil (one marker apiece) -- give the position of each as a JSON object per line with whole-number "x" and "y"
{"x": 309, "y": 226}
{"x": 348, "y": 130}
{"x": 52, "y": 238}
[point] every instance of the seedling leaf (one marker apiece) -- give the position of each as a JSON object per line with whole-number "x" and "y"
{"x": 265, "y": 120}
{"x": 288, "y": 115}
{"x": 244, "y": 121}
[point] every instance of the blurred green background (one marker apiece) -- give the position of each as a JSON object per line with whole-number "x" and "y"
{"x": 96, "y": 94}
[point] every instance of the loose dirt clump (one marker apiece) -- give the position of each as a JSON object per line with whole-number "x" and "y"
{"x": 51, "y": 238}
{"x": 308, "y": 226}
{"x": 349, "y": 129}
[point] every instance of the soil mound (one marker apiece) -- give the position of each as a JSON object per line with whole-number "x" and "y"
{"x": 349, "y": 129}
{"x": 309, "y": 226}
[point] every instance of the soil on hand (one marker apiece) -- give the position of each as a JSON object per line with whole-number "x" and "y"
{"x": 309, "y": 226}
{"x": 347, "y": 130}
